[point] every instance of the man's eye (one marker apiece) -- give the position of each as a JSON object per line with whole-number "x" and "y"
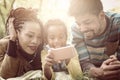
{"x": 87, "y": 22}
{"x": 61, "y": 37}
{"x": 30, "y": 36}
{"x": 52, "y": 38}
{"x": 39, "y": 37}
{"x": 78, "y": 24}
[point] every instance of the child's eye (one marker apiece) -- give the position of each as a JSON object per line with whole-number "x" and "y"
{"x": 52, "y": 38}
{"x": 88, "y": 22}
{"x": 39, "y": 37}
{"x": 62, "y": 37}
{"x": 29, "y": 35}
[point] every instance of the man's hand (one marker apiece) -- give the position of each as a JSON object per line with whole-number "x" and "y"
{"x": 111, "y": 69}
{"x": 96, "y": 72}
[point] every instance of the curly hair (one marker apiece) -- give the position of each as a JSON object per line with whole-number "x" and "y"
{"x": 54, "y": 22}
{"x": 22, "y": 15}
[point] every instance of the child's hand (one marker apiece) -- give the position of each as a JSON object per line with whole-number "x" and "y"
{"x": 67, "y": 61}
{"x": 49, "y": 59}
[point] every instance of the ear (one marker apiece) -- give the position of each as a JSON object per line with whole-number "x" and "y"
{"x": 102, "y": 15}
{"x": 17, "y": 32}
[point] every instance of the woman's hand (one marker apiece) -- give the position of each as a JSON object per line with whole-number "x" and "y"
{"x": 12, "y": 32}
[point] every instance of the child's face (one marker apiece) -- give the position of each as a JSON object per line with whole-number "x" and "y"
{"x": 57, "y": 36}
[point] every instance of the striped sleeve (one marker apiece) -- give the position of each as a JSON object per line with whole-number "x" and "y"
{"x": 79, "y": 43}
{"x": 115, "y": 33}
{"x": 117, "y": 30}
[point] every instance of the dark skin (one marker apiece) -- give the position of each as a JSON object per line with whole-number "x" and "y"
{"x": 109, "y": 70}
{"x": 49, "y": 62}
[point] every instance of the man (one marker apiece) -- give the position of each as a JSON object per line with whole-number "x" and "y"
{"x": 96, "y": 38}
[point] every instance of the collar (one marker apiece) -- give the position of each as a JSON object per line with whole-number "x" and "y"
{"x": 100, "y": 40}
{"x": 27, "y": 56}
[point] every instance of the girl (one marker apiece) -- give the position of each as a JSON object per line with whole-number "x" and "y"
{"x": 56, "y": 37}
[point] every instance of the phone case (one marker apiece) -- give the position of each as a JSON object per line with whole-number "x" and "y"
{"x": 63, "y": 53}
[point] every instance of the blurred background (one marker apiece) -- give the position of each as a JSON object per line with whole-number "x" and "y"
{"x": 48, "y": 9}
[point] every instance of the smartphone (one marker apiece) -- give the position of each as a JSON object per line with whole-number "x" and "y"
{"x": 63, "y": 53}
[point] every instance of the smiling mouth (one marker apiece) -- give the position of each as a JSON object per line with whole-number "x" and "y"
{"x": 33, "y": 48}
{"x": 87, "y": 33}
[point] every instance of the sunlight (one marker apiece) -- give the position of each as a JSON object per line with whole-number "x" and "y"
{"x": 54, "y": 9}
{"x": 112, "y": 4}
{"x": 50, "y": 9}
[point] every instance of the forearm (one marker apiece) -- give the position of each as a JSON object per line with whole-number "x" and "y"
{"x": 118, "y": 54}
{"x": 90, "y": 69}
{"x": 9, "y": 67}
{"x": 9, "y": 62}
{"x": 47, "y": 72}
{"x": 11, "y": 49}
{"x": 86, "y": 65}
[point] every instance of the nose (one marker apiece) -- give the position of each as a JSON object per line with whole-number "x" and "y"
{"x": 57, "y": 43}
{"x": 82, "y": 28}
{"x": 35, "y": 40}
{"x": 56, "y": 40}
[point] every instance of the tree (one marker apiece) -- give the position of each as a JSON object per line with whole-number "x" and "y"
{"x": 5, "y": 7}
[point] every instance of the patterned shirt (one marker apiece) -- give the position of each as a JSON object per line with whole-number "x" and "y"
{"x": 97, "y": 49}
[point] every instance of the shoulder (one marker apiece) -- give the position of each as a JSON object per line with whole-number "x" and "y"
{"x": 45, "y": 50}
{"x": 74, "y": 27}
{"x": 75, "y": 31}
{"x": 114, "y": 23}
{"x": 43, "y": 54}
{"x": 114, "y": 20}
{"x": 113, "y": 15}
{"x": 4, "y": 40}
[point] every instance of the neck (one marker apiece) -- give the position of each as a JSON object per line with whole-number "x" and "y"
{"x": 27, "y": 56}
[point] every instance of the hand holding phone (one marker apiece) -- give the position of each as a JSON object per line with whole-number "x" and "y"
{"x": 63, "y": 53}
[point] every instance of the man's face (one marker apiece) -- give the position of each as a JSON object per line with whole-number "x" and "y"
{"x": 89, "y": 25}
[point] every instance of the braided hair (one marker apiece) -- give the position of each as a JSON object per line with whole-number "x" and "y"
{"x": 22, "y": 15}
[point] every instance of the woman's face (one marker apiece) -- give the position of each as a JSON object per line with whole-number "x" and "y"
{"x": 30, "y": 37}
{"x": 56, "y": 36}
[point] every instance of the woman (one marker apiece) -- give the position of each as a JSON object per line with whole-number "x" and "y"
{"x": 22, "y": 48}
